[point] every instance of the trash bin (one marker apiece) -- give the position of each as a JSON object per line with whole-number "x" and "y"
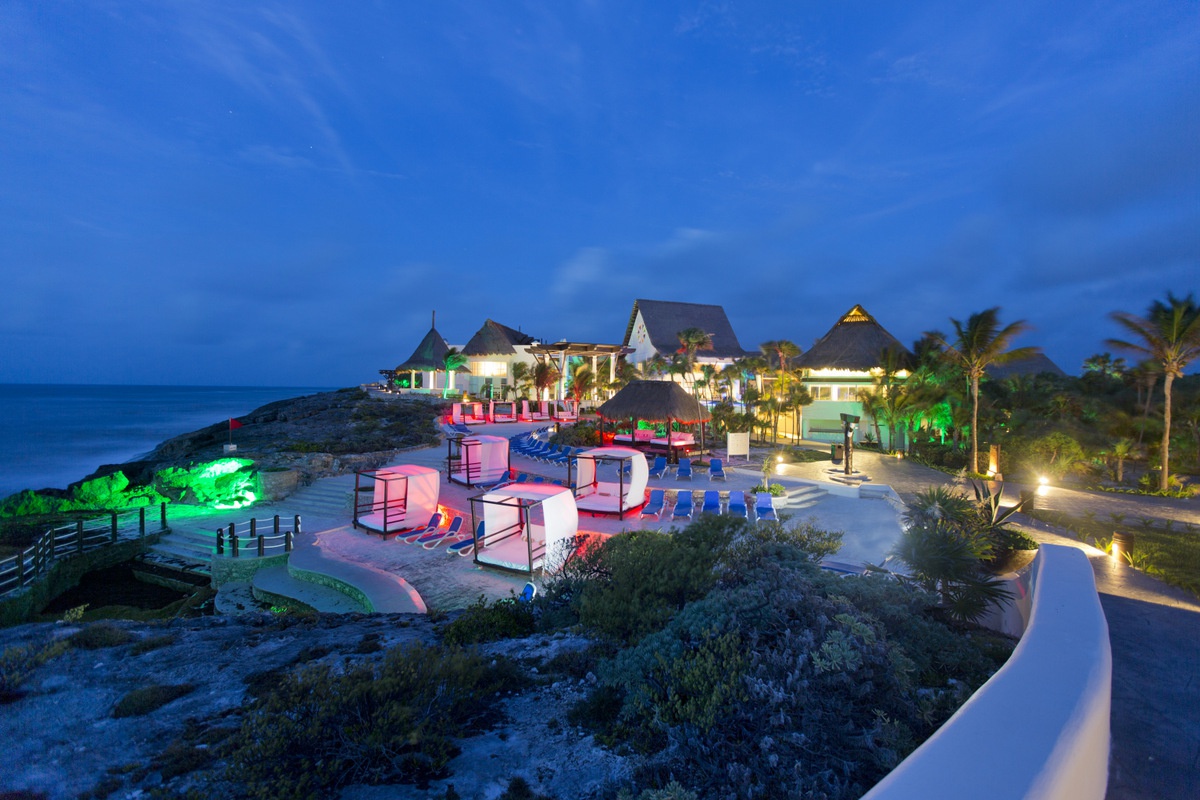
{"x": 837, "y": 452}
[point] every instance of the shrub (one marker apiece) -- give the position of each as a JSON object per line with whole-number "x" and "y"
{"x": 18, "y": 663}
{"x": 99, "y": 636}
{"x": 142, "y": 701}
{"x": 319, "y": 729}
{"x": 505, "y": 619}
{"x": 581, "y": 434}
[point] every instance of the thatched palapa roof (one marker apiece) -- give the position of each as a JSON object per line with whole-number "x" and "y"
{"x": 429, "y": 355}
{"x": 664, "y": 320}
{"x": 494, "y": 339}
{"x": 654, "y": 401}
{"x": 856, "y": 343}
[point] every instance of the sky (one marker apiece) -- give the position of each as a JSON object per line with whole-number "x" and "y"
{"x": 251, "y": 193}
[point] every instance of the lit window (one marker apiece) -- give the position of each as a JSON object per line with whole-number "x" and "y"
{"x": 491, "y": 369}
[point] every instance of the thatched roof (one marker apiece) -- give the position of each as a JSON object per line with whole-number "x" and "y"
{"x": 494, "y": 339}
{"x": 654, "y": 401}
{"x": 429, "y": 355}
{"x": 1033, "y": 365}
{"x": 664, "y": 320}
{"x": 854, "y": 343}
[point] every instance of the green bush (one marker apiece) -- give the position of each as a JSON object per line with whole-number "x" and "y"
{"x": 787, "y": 681}
{"x": 581, "y": 434}
{"x": 320, "y": 728}
{"x": 142, "y": 701}
{"x": 18, "y": 663}
{"x": 508, "y": 618}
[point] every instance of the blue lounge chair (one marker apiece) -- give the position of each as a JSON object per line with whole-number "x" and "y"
{"x": 528, "y": 593}
{"x": 683, "y": 506}
{"x": 466, "y": 546}
{"x": 660, "y": 468}
{"x": 654, "y": 507}
{"x": 764, "y": 508}
{"x": 434, "y": 523}
{"x": 712, "y": 502}
{"x": 716, "y": 470}
{"x": 684, "y": 470}
{"x": 737, "y": 505}
{"x": 431, "y": 540}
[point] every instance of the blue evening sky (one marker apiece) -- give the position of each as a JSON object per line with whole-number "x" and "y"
{"x": 280, "y": 193}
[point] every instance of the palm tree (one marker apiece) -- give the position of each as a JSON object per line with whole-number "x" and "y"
{"x": 521, "y": 378}
{"x": 655, "y": 366}
{"x": 583, "y": 380}
{"x": 451, "y": 361}
{"x": 1170, "y": 335}
{"x": 690, "y": 341}
{"x": 783, "y": 351}
{"x": 977, "y": 345}
{"x": 1121, "y": 450}
{"x": 545, "y": 375}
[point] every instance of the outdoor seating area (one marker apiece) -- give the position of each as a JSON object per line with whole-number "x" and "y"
{"x": 608, "y": 480}
{"x": 394, "y": 499}
{"x": 523, "y": 527}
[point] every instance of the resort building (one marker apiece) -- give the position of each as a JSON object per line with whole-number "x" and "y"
{"x": 840, "y": 368}
{"x": 419, "y": 372}
{"x": 491, "y": 353}
{"x": 654, "y": 327}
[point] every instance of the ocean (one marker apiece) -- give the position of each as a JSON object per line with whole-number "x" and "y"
{"x": 52, "y": 435}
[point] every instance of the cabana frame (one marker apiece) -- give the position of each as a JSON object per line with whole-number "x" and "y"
{"x": 597, "y": 497}
{"x": 395, "y": 499}
{"x": 474, "y": 460}
{"x": 518, "y": 528}
{"x": 503, "y": 411}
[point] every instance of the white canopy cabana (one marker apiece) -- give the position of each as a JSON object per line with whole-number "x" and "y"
{"x": 503, "y": 411}
{"x": 477, "y": 459}
{"x": 535, "y": 410}
{"x": 467, "y": 414}
{"x": 565, "y": 410}
{"x": 395, "y": 499}
{"x": 602, "y": 484}
{"x": 525, "y": 527}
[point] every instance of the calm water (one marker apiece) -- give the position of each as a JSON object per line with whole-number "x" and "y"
{"x": 53, "y": 435}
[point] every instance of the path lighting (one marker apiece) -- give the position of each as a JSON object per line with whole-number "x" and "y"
{"x": 1043, "y": 485}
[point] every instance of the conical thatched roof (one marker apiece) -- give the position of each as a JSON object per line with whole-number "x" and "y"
{"x": 856, "y": 342}
{"x": 654, "y": 401}
{"x": 1035, "y": 364}
{"x": 429, "y": 355}
{"x": 494, "y": 339}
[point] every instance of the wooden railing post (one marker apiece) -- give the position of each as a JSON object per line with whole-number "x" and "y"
{"x": 262, "y": 546}
{"x": 296, "y": 525}
{"x": 114, "y": 526}
{"x": 276, "y": 524}
{"x": 141, "y": 521}
{"x": 220, "y": 541}
{"x": 287, "y": 541}
{"x": 78, "y": 537}
{"x": 233, "y": 530}
{"x": 253, "y": 527}
{"x": 234, "y": 538}
{"x": 20, "y": 568}
{"x": 163, "y": 512}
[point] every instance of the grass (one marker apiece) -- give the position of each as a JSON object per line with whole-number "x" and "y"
{"x": 142, "y": 701}
{"x": 1160, "y": 549}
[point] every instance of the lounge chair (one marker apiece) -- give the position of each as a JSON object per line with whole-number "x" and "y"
{"x": 434, "y": 523}
{"x": 764, "y": 508}
{"x": 528, "y": 593}
{"x": 684, "y": 470}
{"x": 712, "y": 502}
{"x": 683, "y": 506}
{"x": 660, "y": 468}
{"x": 737, "y": 505}
{"x": 466, "y": 546}
{"x": 431, "y": 540}
{"x": 654, "y": 507}
{"x": 716, "y": 470}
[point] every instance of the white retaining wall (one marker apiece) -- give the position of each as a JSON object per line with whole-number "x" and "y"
{"x": 1039, "y": 729}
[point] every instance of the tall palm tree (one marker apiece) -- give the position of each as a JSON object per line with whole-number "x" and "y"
{"x": 521, "y": 378}
{"x": 1170, "y": 335}
{"x": 783, "y": 351}
{"x": 656, "y": 365}
{"x": 451, "y": 361}
{"x": 978, "y": 344}
{"x": 583, "y": 380}
{"x": 690, "y": 341}
{"x": 545, "y": 375}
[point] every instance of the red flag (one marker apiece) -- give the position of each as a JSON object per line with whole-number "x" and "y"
{"x": 234, "y": 424}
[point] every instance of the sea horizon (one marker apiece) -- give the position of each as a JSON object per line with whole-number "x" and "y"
{"x": 54, "y": 434}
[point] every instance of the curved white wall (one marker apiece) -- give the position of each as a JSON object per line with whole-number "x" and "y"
{"x": 1039, "y": 729}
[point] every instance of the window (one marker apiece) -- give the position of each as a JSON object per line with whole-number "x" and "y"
{"x": 821, "y": 392}
{"x": 491, "y": 369}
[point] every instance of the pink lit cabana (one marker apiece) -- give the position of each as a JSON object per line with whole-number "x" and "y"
{"x": 477, "y": 460}
{"x": 524, "y": 527}
{"x": 503, "y": 411}
{"x": 467, "y": 414}
{"x": 602, "y": 485}
{"x": 395, "y": 499}
{"x": 565, "y": 410}
{"x": 535, "y": 410}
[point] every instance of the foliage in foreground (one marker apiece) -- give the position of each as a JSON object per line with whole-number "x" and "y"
{"x": 480, "y": 622}
{"x": 319, "y": 728}
{"x": 767, "y": 677}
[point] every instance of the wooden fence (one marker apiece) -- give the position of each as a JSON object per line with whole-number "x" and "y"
{"x": 68, "y": 541}
{"x": 243, "y": 540}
